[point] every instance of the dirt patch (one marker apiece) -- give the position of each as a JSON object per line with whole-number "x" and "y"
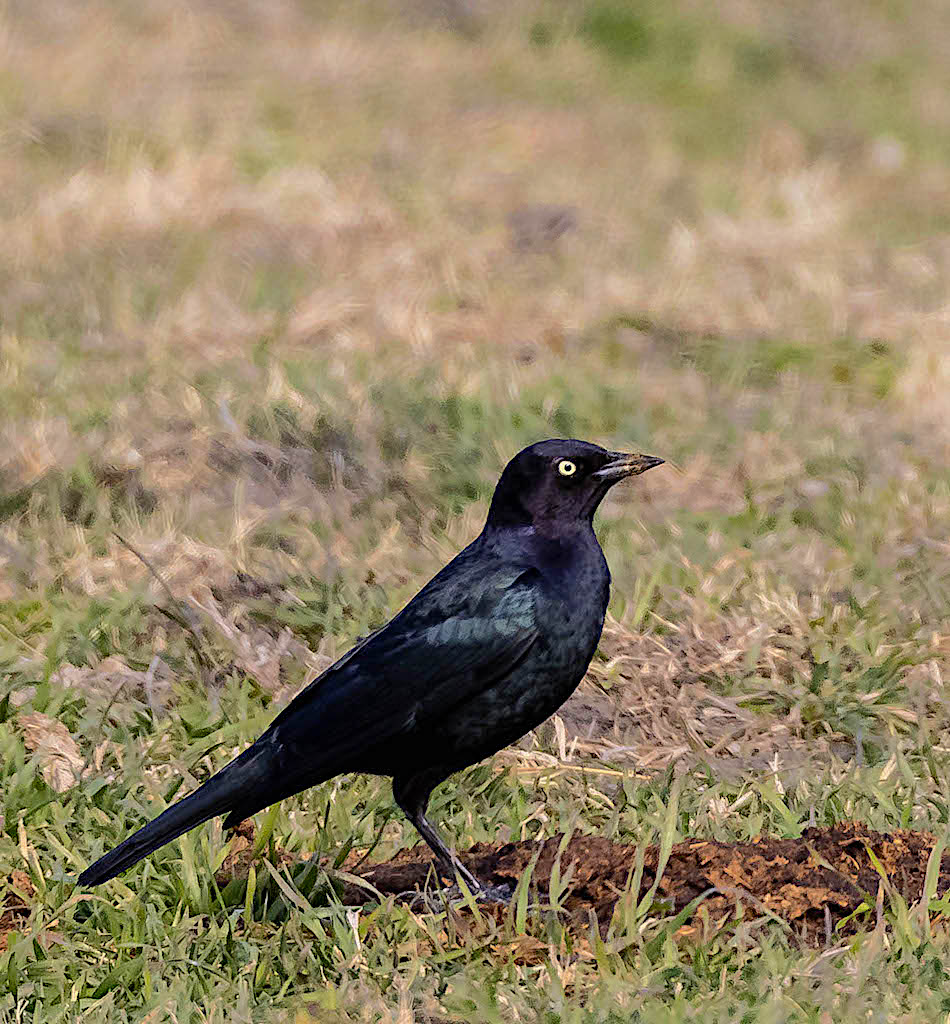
{"x": 812, "y": 883}
{"x": 241, "y": 855}
{"x": 16, "y": 890}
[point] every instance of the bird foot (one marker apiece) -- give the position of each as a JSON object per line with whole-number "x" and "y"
{"x": 499, "y": 894}
{"x": 438, "y": 899}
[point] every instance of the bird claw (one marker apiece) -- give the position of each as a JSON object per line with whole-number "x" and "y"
{"x": 497, "y": 894}
{"x": 438, "y": 899}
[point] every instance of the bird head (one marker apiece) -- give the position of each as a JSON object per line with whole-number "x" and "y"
{"x": 560, "y": 482}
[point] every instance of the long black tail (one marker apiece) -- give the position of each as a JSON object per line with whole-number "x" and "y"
{"x": 228, "y": 790}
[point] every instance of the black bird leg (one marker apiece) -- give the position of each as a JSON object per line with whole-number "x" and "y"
{"x": 446, "y": 857}
{"x": 412, "y": 795}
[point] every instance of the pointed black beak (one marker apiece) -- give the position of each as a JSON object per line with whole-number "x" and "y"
{"x": 621, "y": 465}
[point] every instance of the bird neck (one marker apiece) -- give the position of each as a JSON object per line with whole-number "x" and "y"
{"x": 546, "y": 539}
{"x": 507, "y": 511}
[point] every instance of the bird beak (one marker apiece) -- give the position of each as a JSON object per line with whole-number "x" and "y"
{"x": 621, "y": 465}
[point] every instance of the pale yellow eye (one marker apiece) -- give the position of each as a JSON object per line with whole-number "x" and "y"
{"x": 566, "y": 468}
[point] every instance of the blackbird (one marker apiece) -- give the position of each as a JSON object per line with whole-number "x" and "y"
{"x": 488, "y": 649}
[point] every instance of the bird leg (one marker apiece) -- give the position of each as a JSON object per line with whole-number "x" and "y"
{"x": 412, "y": 795}
{"x": 446, "y": 858}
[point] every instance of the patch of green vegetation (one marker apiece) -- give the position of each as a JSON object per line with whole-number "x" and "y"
{"x": 164, "y": 270}
{"x": 620, "y": 31}
{"x": 864, "y": 703}
{"x": 279, "y": 285}
{"x": 320, "y": 609}
{"x": 541, "y": 34}
{"x": 866, "y": 367}
{"x": 88, "y": 495}
{"x": 280, "y": 938}
{"x": 758, "y": 60}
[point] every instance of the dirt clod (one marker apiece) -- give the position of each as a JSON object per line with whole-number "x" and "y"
{"x": 812, "y": 882}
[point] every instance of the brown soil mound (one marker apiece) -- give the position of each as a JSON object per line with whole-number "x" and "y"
{"x": 811, "y": 883}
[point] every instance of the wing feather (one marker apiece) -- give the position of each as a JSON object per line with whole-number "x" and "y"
{"x": 415, "y": 669}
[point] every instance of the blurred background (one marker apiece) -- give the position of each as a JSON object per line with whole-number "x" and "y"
{"x": 283, "y": 285}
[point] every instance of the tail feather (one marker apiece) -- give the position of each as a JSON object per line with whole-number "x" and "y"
{"x": 220, "y": 794}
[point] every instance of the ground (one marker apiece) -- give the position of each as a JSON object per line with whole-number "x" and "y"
{"x": 284, "y": 285}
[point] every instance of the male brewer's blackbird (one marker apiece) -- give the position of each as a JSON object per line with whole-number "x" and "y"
{"x": 487, "y": 650}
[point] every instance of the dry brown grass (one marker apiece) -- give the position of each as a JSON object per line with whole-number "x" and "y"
{"x": 381, "y": 173}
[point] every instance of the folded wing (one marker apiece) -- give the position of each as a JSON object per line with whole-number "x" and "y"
{"x": 439, "y": 652}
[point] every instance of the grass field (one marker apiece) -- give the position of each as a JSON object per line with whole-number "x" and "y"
{"x": 283, "y": 286}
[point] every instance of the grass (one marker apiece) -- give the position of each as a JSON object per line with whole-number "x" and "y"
{"x": 265, "y": 316}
